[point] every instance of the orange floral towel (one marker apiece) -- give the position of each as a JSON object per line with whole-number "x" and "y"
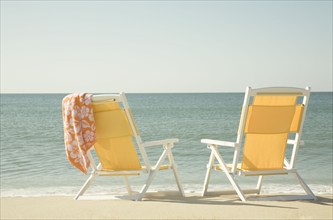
{"x": 79, "y": 128}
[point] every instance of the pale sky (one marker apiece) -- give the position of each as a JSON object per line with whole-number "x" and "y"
{"x": 164, "y": 46}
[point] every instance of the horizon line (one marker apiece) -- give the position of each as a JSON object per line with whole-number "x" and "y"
{"x": 45, "y": 93}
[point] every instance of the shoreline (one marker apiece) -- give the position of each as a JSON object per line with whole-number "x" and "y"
{"x": 165, "y": 205}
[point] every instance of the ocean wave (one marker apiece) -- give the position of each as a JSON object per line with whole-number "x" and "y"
{"x": 120, "y": 189}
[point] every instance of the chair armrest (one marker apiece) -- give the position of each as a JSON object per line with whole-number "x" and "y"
{"x": 160, "y": 142}
{"x": 219, "y": 143}
{"x": 293, "y": 142}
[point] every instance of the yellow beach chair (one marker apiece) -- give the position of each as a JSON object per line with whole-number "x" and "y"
{"x": 271, "y": 119}
{"x": 116, "y": 137}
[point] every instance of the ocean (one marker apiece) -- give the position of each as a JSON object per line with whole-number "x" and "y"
{"x": 34, "y": 162}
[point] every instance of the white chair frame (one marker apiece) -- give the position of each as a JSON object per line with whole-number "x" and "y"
{"x": 289, "y": 164}
{"x": 167, "y": 145}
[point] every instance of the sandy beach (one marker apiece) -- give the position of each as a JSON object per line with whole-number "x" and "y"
{"x": 164, "y": 205}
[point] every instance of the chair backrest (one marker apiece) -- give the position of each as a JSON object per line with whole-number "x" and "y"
{"x": 116, "y": 134}
{"x": 269, "y": 115}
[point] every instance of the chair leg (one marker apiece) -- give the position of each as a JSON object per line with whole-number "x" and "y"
{"x": 207, "y": 177}
{"x": 128, "y": 186}
{"x": 259, "y": 184}
{"x": 175, "y": 172}
{"x": 145, "y": 187}
{"x": 85, "y": 186}
{"x": 305, "y": 186}
{"x": 180, "y": 187}
{"x": 236, "y": 186}
{"x": 229, "y": 176}
{"x": 152, "y": 174}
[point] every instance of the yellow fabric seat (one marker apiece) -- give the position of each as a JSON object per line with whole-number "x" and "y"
{"x": 114, "y": 145}
{"x": 269, "y": 120}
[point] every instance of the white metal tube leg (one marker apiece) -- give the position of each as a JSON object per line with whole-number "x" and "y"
{"x": 152, "y": 174}
{"x": 207, "y": 177}
{"x": 128, "y": 186}
{"x": 85, "y": 186}
{"x": 305, "y": 186}
{"x": 259, "y": 184}
{"x": 144, "y": 189}
{"x": 226, "y": 171}
{"x": 175, "y": 172}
